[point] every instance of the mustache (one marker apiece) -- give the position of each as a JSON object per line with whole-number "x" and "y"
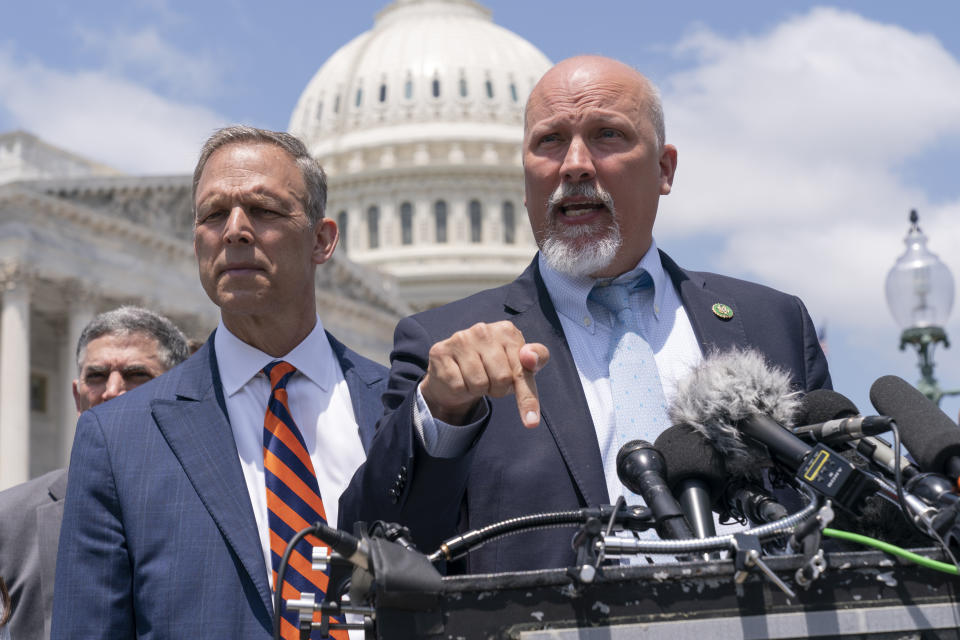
{"x": 582, "y": 190}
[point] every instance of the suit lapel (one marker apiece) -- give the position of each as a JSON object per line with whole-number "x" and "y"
{"x": 196, "y": 428}
{"x": 713, "y": 332}
{"x": 365, "y": 380}
{"x": 563, "y": 407}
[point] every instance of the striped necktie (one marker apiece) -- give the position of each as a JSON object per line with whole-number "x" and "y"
{"x": 293, "y": 500}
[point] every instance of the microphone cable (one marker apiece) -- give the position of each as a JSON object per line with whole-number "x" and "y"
{"x": 460, "y": 545}
{"x": 892, "y": 549}
{"x": 281, "y": 574}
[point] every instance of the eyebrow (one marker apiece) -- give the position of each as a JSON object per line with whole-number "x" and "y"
{"x": 261, "y": 198}
{"x": 134, "y": 368}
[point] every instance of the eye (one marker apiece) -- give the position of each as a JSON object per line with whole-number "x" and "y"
{"x": 550, "y": 137}
{"x": 211, "y": 216}
{"x": 610, "y": 133}
{"x": 264, "y": 212}
{"x": 94, "y": 377}
{"x": 138, "y": 377}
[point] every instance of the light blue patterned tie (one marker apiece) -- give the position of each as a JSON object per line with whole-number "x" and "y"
{"x": 640, "y": 408}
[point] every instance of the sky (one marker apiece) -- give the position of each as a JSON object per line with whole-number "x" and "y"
{"x": 806, "y": 131}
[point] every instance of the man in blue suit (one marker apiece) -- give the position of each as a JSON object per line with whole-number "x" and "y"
{"x": 506, "y": 403}
{"x": 165, "y": 531}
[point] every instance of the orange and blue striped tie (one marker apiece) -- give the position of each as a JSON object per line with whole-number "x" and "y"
{"x": 293, "y": 499}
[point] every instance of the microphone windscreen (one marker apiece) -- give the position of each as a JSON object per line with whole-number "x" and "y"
{"x": 689, "y": 455}
{"x": 823, "y": 405}
{"x": 724, "y": 389}
{"x": 928, "y": 433}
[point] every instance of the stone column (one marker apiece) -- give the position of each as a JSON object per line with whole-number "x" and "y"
{"x": 14, "y": 378}
{"x": 80, "y": 311}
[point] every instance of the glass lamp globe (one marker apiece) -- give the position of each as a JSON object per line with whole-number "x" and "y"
{"x": 919, "y": 286}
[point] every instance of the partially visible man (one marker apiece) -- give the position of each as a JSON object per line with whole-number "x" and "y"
{"x": 481, "y": 427}
{"x": 118, "y": 351}
{"x": 184, "y": 493}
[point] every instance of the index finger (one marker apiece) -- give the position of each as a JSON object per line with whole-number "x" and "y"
{"x": 532, "y": 358}
{"x": 528, "y": 400}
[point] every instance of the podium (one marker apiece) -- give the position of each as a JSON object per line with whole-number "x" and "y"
{"x": 860, "y": 595}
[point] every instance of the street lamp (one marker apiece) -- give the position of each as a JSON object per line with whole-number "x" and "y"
{"x": 920, "y": 297}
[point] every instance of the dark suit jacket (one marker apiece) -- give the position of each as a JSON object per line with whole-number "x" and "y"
{"x": 30, "y": 515}
{"x": 159, "y": 538}
{"x": 512, "y": 471}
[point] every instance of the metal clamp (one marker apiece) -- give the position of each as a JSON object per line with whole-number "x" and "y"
{"x": 748, "y": 557}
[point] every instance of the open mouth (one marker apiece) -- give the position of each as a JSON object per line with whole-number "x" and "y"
{"x": 577, "y": 209}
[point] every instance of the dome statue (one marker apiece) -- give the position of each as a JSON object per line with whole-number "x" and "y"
{"x": 418, "y": 123}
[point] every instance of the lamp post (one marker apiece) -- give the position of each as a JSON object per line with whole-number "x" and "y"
{"x": 920, "y": 296}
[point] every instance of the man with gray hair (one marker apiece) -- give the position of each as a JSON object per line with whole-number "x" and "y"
{"x": 184, "y": 494}
{"x": 118, "y": 350}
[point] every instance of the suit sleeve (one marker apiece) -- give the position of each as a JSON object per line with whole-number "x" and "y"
{"x": 400, "y": 482}
{"x": 816, "y": 373}
{"x": 93, "y": 586}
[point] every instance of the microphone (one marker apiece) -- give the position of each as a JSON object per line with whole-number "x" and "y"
{"x": 831, "y": 418}
{"x": 825, "y": 406}
{"x": 932, "y": 438}
{"x": 642, "y": 469}
{"x": 696, "y": 475}
{"x": 735, "y": 394}
{"x": 879, "y": 519}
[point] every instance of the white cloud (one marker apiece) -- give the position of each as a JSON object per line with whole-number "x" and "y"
{"x": 148, "y": 57}
{"x": 791, "y": 145}
{"x": 104, "y": 117}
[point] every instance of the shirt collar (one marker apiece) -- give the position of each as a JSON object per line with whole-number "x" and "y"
{"x": 569, "y": 293}
{"x": 240, "y": 362}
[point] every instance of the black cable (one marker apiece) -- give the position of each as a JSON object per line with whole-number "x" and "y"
{"x": 281, "y": 572}
{"x": 457, "y": 546}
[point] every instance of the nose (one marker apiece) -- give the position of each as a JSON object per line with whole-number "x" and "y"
{"x": 238, "y": 229}
{"x": 116, "y": 386}
{"x": 578, "y": 162}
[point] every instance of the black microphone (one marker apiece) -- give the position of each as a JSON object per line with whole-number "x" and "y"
{"x": 932, "y": 438}
{"x": 829, "y": 417}
{"x": 740, "y": 404}
{"x": 696, "y": 475}
{"x": 823, "y": 406}
{"x": 642, "y": 469}
{"x": 880, "y": 518}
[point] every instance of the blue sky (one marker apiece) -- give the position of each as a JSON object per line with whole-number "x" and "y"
{"x": 806, "y": 131}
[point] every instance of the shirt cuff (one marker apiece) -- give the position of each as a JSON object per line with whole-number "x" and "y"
{"x": 442, "y": 440}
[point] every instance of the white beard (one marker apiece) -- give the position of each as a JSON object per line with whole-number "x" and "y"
{"x": 580, "y": 250}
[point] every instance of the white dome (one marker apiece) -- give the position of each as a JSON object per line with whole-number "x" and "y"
{"x": 426, "y": 67}
{"x": 418, "y": 123}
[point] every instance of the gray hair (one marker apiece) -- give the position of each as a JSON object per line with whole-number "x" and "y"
{"x": 127, "y": 320}
{"x": 655, "y": 113}
{"x": 313, "y": 176}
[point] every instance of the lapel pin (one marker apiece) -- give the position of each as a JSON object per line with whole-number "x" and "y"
{"x": 722, "y": 311}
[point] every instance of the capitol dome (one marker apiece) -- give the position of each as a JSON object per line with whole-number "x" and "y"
{"x": 418, "y": 123}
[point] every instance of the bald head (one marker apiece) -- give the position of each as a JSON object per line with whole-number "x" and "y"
{"x": 595, "y": 164}
{"x": 579, "y": 71}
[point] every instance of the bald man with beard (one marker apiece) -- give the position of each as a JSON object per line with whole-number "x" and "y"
{"x": 501, "y": 405}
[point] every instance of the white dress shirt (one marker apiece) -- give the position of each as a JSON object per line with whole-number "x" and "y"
{"x": 319, "y": 403}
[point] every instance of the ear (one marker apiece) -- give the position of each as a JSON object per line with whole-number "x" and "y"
{"x": 326, "y": 236}
{"x": 668, "y": 167}
{"x": 76, "y": 397}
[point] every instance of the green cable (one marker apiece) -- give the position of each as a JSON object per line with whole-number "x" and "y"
{"x": 891, "y": 549}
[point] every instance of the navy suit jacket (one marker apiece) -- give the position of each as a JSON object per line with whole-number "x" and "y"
{"x": 159, "y": 538}
{"x": 512, "y": 471}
